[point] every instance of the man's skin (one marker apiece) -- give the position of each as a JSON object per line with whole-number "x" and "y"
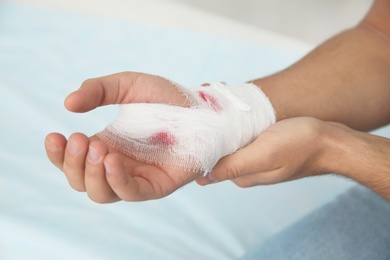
{"x": 344, "y": 80}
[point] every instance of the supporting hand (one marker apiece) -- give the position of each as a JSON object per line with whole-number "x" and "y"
{"x": 288, "y": 150}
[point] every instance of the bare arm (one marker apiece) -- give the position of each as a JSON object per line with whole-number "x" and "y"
{"x": 346, "y": 79}
{"x": 361, "y": 156}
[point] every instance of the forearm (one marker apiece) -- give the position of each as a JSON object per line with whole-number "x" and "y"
{"x": 357, "y": 155}
{"x": 346, "y": 79}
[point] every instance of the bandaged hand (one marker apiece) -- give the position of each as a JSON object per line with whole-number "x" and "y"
{"x": 164, "y": 137}
{"x": 216, "y": 120}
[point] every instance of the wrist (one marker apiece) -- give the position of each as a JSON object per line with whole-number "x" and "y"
{"x": 357, "y": 155}
{"x": 336, "y": 149}
{"x": 328, "y": 150}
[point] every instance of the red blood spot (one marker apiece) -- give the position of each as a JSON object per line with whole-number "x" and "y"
{"x": 203, "y": 95}
{"x": 211, "y": 101}
{"x": 163, "y": 138}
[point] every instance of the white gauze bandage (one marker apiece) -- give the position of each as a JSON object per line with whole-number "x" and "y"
{"x": 219, "y": 120}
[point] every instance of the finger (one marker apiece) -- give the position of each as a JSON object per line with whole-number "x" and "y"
{"x": 205, "y": 180}
{"x": 251, "y": 159}
{"x": 55, "y": 148}
{"x": 127, "y": 187}
{"x": 260, "y": 178}
{"x": 74, "y": 160}
{"x": 95, "y": 177}
{"x": 101, "y": 91}
{"x": 227, "y": 168}
{"x": 123, "y": 88}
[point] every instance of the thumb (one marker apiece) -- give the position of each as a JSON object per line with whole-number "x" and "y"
{"x": 110, "y": 89}
{"x": 228, "y": 168}
{"x": 123, "y": 88}
{"x": 248, "y": 160}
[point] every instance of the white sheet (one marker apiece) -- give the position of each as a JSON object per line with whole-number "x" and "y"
{"x": 46, "y": 54}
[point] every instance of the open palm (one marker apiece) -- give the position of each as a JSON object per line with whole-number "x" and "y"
{"x": 106, "y": 174}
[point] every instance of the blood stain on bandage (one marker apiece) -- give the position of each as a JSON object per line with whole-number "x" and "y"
{"x": 163, "y": 138}
{"x": 210, "y": 100}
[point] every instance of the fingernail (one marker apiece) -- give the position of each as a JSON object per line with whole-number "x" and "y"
{"x": 51, "y": 146}
{"x": 107, "y": 168}
{"x": 93, "y": 155}
{"x": 209, "y": 178}
{"x": 73, "y": 147}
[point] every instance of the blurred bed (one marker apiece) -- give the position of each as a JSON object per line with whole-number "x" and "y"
{"x": 47, "y": 49}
